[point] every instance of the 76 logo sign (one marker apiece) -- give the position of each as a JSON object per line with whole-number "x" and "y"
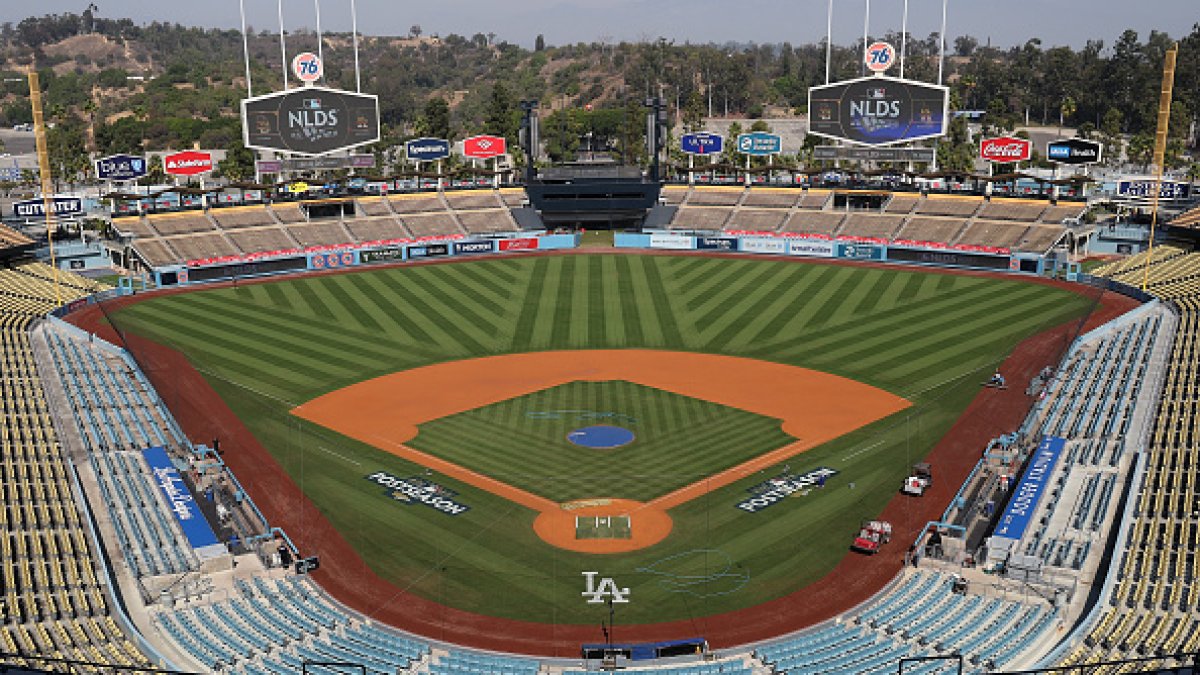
{"x": 307, "y": 67}
{"x": 880, "y": 56}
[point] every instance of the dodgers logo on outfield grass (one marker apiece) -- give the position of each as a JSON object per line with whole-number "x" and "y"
{"x": 596, "y": 592}
{"x": 417, "y": 490}
{"x": 769, "y": 492}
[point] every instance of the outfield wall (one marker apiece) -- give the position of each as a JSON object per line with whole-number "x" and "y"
{"x": 355, "y": 255}
{"x": 846, "y": 249}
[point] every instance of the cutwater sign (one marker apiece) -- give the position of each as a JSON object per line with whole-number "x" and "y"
{"x": 702, "y": 143}
{"x": 34, "y": 208}
{"x": 120, "y": 167}
{"x": 417, "y": 490}
{"x": 759, "y": 143}
{"x": 770, "y": 492}
{"x": 427, "y": 149}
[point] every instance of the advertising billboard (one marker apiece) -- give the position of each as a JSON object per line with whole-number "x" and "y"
{"x": 812, "y": 248}
{"x": 759, "y": 143}
{"x": 702, "y": 143}
{"x": 764, "y": 245}
{"x": 35, "y": 208}
{"x": 677, "y": 242}
{"x": 1074, "y": 151}
{"x": 427, "y": 149}
{"x": 310, "y": 121}
{"x": 1144, "y": 188}
{"x": 1005, "y": 149}
{"x": 120, "y": 167}
{"x": 188, "y": 163}
{"x": 484, "y": 147}
{"x": 878, "y": 110}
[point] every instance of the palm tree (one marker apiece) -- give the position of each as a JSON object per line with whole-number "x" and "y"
{"x": 1065, "y": 111}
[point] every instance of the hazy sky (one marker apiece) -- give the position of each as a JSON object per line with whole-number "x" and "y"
{"x": 1009, "y": 22}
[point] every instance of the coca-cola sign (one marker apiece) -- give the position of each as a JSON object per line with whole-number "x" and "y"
{"x": 1005, "y": 149}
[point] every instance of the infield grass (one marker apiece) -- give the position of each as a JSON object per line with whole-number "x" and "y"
{"x": 927, "y": 336}
{"x": 677, "y": 440}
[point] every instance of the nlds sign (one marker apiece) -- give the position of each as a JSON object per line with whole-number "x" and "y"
{"x": 1005, "y": 149}
{"x": 311, "y": 121}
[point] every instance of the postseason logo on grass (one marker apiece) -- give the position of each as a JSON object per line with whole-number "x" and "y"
{"x": 417, "y": 490}
{"x": 771, "y": 491}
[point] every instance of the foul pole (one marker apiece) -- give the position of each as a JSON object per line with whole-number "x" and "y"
{"x": 39, "y": 130}
{"x": 1160, "y": 148}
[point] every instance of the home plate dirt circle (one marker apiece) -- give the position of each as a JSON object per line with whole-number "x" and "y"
{"x": 648, "y": 525}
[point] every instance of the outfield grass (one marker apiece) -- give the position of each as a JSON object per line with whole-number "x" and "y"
{"x": 523, "y": 441}
{"x": 925, "y": 336}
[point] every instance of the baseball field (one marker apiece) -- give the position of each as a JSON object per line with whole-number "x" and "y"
{"x": 439, "y": 415}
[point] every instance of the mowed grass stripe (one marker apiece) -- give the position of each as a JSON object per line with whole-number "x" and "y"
{"x": 597, "y": 300}
{"x": 827, "y": 292}
{"x": 791, "y": 301}
{"x": 697, "y": 295}
{"x": 371, "y": 301}
{"x": 237, "y": 322}
{"x": 580, "y": 330}
{"x": 363, "y": 313}
{"x": 529, "y": 309}
{"x": 614, "y": 306}
{"x": 769, "y": 295}
{"x": 716, "y": 307}
{"x": 865, "y": 292}
{"x": 466, "y": 310}
{"x": 651, "y": 322}
{"x": 628, "y": 299}
{"x": 473, "y": 279}
{"x": 560, "y": 333}
{"x": 265, "y": 365}
{"x": 311, "y": 337}
{"x": 548, "y": 308}
{"x": 999, "y": 326}
{"x": 881, "y": 326}
{"x": 398, "y": 313}
{"x": 664, "y": 309}
{"x": 320, "y": 289}
{"x": 453, "y": 312}
{"x": 481, "y": 305}
{"x": 880, "y": 349}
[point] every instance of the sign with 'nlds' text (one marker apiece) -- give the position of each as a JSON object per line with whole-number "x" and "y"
{"x": 310, "y": 121}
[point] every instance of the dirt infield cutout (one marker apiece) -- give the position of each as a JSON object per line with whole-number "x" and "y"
{"x": 815, "y": 407}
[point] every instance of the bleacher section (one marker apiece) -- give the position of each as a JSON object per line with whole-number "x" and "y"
{"x": 241, "y": 216}
{"x": 1152, "y": 606}
{"x": 1013, "y": 209}
{"x": 176, "y": 238}
{"x": 53, "y": 602}
{"x": 1060, "y": 212}
{"x": 922, "y": 228}
{"x": 919, "y": 616}
{"x": 814, "y": 222}
{"x": 10, "y": 238}
{"x": 710, "y": 218}
{"x": 992, "y": 233}
{"x": 756, "y": 220}
{"x": 944, "y": 205}
{"x": 715, "y": 197}
{"x": 871, "y": 226}
{"x": 771, "y": 198}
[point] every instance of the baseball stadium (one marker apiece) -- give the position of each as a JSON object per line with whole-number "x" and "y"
{"x": 597, "y": 418}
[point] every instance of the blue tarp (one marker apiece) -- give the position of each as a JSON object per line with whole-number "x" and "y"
{"x": 1025, "y": 497}
{"x": 195, "y": 527}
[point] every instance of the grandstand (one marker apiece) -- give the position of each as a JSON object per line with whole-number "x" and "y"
{"x": 1149, "y": 607}
{"x": 164, "y": 239}
{"x": 904, "y": 219}
{"x": 54, "y": 599}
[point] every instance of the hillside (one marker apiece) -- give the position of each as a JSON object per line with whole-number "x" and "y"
{"x": 114, "y": 86}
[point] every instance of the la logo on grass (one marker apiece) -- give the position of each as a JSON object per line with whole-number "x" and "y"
{"x": 606, "y": 588}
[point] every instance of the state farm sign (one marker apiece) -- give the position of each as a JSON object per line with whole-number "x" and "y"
{"x": 1006, "y": 149}
{"x": 188, "y": 163}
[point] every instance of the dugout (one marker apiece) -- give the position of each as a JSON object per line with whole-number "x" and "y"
{"x": 645, "y": 651}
